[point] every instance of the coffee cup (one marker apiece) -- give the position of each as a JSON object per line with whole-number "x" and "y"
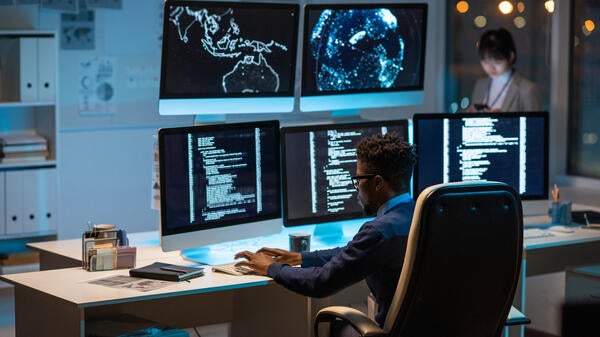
{"x": 299, "y": 242}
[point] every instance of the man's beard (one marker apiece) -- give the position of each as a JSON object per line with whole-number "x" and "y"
{"x": 367, "y": 209}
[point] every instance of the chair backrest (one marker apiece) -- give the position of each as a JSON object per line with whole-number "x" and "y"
{"x": 462, "y": 262}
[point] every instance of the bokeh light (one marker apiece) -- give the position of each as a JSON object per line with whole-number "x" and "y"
{"x": 505, "y": 7}
{"x": 519, "y": 22}
{"x": 462, "y": 7}
{"x": 480, "y": 21}
{"x": 549, "y": 5}
{"x": 464, "y": 102}
{"x": 588, "y": 27}
{"x": 520, "y": 7}
{"x": 453, "y": 107}
{"x": 590, "y": 138}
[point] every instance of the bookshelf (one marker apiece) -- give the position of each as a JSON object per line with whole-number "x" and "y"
{"x": 29, "y": 110}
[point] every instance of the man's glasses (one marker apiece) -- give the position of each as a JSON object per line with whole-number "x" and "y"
{"x": 356, "y": 179}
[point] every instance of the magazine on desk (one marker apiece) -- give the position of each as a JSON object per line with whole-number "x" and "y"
{"x": 167, "y": 272}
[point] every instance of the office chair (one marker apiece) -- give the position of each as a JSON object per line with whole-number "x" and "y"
{"x": 461, "y": 267}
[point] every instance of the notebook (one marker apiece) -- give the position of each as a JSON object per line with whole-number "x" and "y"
{"x": 167, "y": 272}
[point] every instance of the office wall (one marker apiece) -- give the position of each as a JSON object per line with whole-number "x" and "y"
{"x": 105, "y": 159}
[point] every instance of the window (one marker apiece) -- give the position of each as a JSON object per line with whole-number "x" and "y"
{"x": 528, "y": 21}
{"x": 584, "y": 146}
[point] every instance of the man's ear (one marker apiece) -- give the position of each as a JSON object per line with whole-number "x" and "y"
{"x": 378, "y": 182}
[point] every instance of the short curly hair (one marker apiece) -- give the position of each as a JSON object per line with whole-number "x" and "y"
{"x": 390, "y": 156}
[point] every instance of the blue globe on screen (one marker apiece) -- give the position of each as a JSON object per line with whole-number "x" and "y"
{"x": 357, "y": 49}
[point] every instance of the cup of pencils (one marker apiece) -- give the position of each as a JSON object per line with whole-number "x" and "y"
{"x": 560, "y": 211}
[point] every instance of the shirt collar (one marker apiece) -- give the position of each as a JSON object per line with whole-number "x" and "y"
{"x": 503, "y": 78}
{"x": 400, "y": 198}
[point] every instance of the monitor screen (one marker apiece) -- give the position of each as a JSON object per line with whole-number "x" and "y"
{"x": 228, "y": 57}
{"x": 218, "y": 183}
{"x": 363, "y": 55}
{"x": 511, "y": 147}
{"x": 318, "y": 161}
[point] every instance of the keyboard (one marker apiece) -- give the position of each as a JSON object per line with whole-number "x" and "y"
{"x": 232, "y": 269}
{"x": 536, "y": 233}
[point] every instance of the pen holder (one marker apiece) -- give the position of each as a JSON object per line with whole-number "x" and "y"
{"x": 561, "y": 213}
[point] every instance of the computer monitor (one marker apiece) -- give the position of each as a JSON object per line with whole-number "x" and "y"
{"x": 363, "y": 55}
{"x": 318, "y": 161}
{"x": 218, "y": 183}
{"x": 227, "y": 57}
{"x": 511, "y": 147}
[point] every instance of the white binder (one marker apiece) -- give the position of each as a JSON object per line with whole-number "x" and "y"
{"x": 46, "y": 69}
{"x": 28, "y": 80}
{"x": 30, "y": 200}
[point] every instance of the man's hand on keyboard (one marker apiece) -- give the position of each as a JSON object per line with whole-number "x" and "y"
{"x": 283, "y": 256}
{"x": 259, "y": 262}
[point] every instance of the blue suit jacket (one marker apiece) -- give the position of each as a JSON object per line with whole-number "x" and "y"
{"x": 376, "y": 253}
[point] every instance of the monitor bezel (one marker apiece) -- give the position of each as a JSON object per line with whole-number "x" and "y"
{"x": 289, "y": 222}
{"x": 232, "y": 227}
{"x": 225, "y": 103}
{"x": 440, "y": 116}
{"x": 314, "y": 100}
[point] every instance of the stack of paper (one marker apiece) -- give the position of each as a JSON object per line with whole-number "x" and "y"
{"x": 22, "y": 147}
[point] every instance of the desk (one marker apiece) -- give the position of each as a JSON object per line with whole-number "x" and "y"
{"x": 542, "y": 273}
{"x": 59, "y": 302}
{"x": 228, "y": 302}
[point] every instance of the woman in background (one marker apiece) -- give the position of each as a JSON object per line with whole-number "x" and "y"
{"x": 504, "y": 89}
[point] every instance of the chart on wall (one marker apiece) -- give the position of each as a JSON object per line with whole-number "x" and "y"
{"x": 97, "y": 86}
{"x": 77, "y": 31}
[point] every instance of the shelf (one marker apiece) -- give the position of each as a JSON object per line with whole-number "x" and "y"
{"x": 26, "y": 164}
{"x": 25, "y": 104}
{"x": 29, "y": 104}
{"x": 27, "y": 33}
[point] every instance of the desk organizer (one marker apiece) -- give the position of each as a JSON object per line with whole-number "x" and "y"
{"x": 103, "y": 250}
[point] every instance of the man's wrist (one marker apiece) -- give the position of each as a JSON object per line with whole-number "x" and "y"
{"x": 298, "y": 260}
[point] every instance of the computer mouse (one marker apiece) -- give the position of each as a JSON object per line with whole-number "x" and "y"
{"x": 561, "y": 229}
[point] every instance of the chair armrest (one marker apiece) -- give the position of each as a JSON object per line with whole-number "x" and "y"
{"x": 515, "y": 317}
{"x": 359, "y": 321}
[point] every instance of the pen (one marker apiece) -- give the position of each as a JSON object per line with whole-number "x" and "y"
{"x": 555, "y": 194}
{"x": 587, "y": 221}
{"x": 174, "y": 269}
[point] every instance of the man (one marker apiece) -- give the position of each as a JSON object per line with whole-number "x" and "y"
{"x": 376, "y": 253}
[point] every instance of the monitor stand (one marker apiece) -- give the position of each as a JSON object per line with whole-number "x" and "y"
{"x": 332, "y": 234}
{"x": 345, "y": 114}
{"x": 210, "y": 255}
{"x": 329, "y": 234}
{"x": 209, "y": 119}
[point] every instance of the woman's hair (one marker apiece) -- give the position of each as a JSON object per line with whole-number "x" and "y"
{"x": 497, "y": 44}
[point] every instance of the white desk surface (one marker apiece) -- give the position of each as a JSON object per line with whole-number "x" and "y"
{"x": 580, "y": 233}
{"x": 71, "y": 284}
